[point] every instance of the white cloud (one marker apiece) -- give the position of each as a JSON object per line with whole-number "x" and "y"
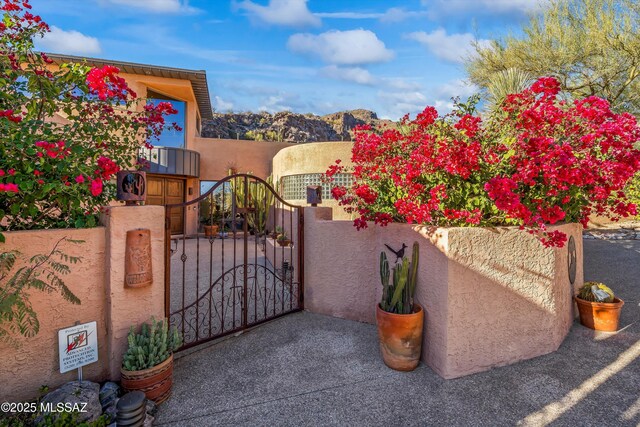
{"x": 351, "y": 47}
{"x": 401, "y": 84}
{"x": 348, "y": 15}
{"x": 349, "y": 74}
{"x": 397, "y": 104}
{"x": 70, "y": 42}
{"x": 392, "y": 15}
{"x": 157, "y": 6}
{"x": 489, "y": 7}
{"x": 398, "y": 14}
{"x": 221, "y": 105}
{"x": 458, "y": 87}
{"x": 288, "y": 13}
{"x": 412, "y": 101}
{"x": 450, "y": 47}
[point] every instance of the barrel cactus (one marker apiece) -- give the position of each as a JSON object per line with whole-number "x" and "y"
{"x": 397, "y": 294}
{"x": 595, "y": 291}
{"x": 152, "y": 346}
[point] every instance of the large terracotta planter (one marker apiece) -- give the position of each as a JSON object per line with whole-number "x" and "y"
{"x": 400, "y": 338}
{"x": 601, "y": 316}
{"x": 155, "y": 382}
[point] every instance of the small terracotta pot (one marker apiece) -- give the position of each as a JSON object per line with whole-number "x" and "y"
{"x": 155, "y": 382}
{"x": 601, "y": 316}
{"x": 400, "y": 338}
{"x": 210, "y": 230}
{"x": 284, "y": 242}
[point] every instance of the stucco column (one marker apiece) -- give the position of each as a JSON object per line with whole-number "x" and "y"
{"x": 126, "y": 306}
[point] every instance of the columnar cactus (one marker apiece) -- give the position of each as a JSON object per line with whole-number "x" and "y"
{"x": 260, "y": 200}
{"x": 152, "y": 346}
{"x": 398, "y": 296}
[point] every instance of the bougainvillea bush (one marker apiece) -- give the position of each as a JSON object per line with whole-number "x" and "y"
{"x": 64, "y": 131}
{"x": 538, "y": 160}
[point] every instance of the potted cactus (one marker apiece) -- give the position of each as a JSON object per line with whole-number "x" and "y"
{"x": 148, "y": 362}
{"x": 283, "y": 239}
{"x": 599, "y": 308}
{"x": 400, "y": 319}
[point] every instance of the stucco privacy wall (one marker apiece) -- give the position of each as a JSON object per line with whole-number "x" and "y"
{"x": 34, "y": 362}
{"x": 126, "y": 306}
{"x": 218, "y": 155}
{"x": 99, "y": 283}
{"x": 492, "y": 296}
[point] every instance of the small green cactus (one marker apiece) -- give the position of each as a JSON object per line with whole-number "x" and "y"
{"x": 152, "y": 346}
{"x": 586, "y": 292}
{"x": 398, "y": 296}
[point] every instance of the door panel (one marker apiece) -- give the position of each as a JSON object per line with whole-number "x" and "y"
{"x": 168, "y": 191}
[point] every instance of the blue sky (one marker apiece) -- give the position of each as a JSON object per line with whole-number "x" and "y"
{"x": 319, "y": 56}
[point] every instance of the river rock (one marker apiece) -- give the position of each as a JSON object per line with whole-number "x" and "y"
{"x": 77, "y": 394}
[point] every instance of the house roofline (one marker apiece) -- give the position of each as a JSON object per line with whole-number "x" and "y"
{"x": 198, "y": 78}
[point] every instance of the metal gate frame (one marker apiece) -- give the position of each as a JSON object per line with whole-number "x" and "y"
{"x": 245, "y": 323}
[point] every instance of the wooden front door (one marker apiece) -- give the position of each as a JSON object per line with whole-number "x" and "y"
{"x": 168, "y": 191}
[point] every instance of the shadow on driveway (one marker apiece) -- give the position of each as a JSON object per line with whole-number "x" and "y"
{"x": 308, "y": 369}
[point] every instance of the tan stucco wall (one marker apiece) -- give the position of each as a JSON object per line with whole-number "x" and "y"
{"x": 131, "y": 306}
{"x": 99, "y": 283}
{"x": 491, "y": 296}
{"x": 313, "y": 158}
{"x": 35, "y": 362}
{"x": 217, "y": 155}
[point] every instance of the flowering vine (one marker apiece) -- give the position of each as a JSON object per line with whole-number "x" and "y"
{"x": 538, "y": 161}
{"x": 65, "y": 130}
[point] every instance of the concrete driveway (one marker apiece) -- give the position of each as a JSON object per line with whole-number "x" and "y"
{"x": 307, "y": 369}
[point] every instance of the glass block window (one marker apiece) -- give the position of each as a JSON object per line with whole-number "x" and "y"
{"x": 294, "y": 187}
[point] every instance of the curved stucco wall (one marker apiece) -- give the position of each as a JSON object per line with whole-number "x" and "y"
{"x": 313, "y": 158}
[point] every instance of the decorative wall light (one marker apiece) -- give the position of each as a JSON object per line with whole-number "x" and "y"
{"x": 132, "y": 187}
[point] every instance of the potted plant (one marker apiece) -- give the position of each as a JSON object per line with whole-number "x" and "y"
{"x": 211, "y": 226}
{"x": 148, "y": 362}
{"x": 283, "y": 239}
{"x": 400, "y": 319}
{"x": 210, "y": 217}
{"x": 599, "y": 308}
{"x": 276, "y": 232}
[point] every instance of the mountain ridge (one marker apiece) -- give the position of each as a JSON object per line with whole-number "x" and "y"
{"x": 286, "y": 126}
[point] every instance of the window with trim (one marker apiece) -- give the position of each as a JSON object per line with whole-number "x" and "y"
{"x": 170, "y": 137}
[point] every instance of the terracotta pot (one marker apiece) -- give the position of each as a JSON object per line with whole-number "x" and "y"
{"x": 284, "y": 242}
{"x": 601, "y": 316}
{"x": 155, "y": 382}
{"x": 400, "y": 338}
{"x": 210, "y": 230}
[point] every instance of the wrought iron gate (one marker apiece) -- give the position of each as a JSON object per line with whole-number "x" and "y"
{"x": 239, "y": 263}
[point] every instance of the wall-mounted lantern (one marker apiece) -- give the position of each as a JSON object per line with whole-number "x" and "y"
{"x": 132, "y": 187}
{"x": 314, "y": 194}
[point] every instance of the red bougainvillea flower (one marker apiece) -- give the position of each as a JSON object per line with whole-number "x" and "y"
{"x": 106, "y": 167}
{"x": 9, "y": 188}
{"x": 538, "y": 160}
{"x": 96, "y": 187}
{"x": 105, "y": 83}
